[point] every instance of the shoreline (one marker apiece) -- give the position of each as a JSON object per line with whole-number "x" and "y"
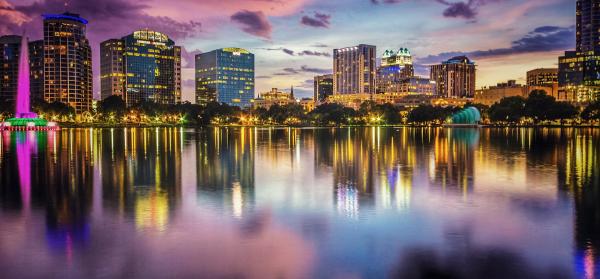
{"x": 109, "y": 126}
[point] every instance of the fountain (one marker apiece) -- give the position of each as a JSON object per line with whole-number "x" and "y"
{"x": 24, "y": 118}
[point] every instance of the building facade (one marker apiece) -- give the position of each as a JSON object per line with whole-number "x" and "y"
{"x": 579, "y": 70}
{"x": 67, "y": 61}
{"x": 396, "y": 66}
{"x": 542, "y": 77}
{"x": 588, "y": 25}
{"x": 36, "y": 66}
{"x": 494, "y": 94}
{"x": 112, "y": 69}
{"x": 579, "y": 76}
{"x": 323, "y": 88}
{"x": 9, "y": 67}
{"x": 274, "y": 97}
{"x": 354, "y": 70}
{"x": 225, "y": 75}
{"x": 454, "y": 78}
{"x": 416, "y": 85}
{"x": 142, "y": 66}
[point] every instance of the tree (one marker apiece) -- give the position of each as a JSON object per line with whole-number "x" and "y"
{"x": 331, "y": 113}
{"x": 112, "y": 107}
{"x": 510, "y": 109}
{"x": 591, "y": 111}
{"x": 561, "y": 111}
{"x": 539, "y": 105}
{"x": 429, "y": 113}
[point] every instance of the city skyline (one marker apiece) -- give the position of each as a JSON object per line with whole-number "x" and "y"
{"x": 283, "y": 36}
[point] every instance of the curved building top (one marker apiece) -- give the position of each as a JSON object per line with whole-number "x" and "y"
{"x": 65, "y": 16}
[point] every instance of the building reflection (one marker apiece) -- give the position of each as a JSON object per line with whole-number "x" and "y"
{"x": 141, "y": 176}
{"x": 372, "y": 167}
{"x": 454, "y": 158}
{"x": 225, "y": 168}
{"x": 579, "y": 177}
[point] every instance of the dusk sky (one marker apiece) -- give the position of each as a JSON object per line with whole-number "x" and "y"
{"x": 293, "y": 39}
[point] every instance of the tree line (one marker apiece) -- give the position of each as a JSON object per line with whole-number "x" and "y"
{"x": 538, "y": 108}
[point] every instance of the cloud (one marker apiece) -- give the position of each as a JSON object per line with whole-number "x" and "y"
{"x": 189, "y": 57}
{"x": 462, "y": 9}
{"x": 300, "y": 53}
{"x": 314, "y": 53}
{"x": 302, "y": 69}
{"x": 253, "y": 22}
{"x": 287, "y": 51}
{"x": 459, "y": 9}
{"x": 541, "y": 39}
{"x": 319, "y": 20}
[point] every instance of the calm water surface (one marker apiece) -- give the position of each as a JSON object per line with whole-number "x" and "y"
{"x": 300, "y": 203}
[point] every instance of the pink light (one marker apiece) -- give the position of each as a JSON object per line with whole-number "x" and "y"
{"x": 24, "y": 149}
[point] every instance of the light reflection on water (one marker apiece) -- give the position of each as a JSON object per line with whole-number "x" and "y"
{"x": 300, "y": 203}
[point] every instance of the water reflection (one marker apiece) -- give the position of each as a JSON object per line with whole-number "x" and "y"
{"x": 348, "y": 202}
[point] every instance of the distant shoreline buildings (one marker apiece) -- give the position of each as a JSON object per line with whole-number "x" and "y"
{"x": 146, "y": 66}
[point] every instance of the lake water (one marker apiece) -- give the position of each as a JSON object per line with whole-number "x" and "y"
{"x": 300, "y": 203}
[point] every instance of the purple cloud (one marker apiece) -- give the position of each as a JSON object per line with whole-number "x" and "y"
{"x": 288, "y": 51}
{"x": 541, "y": 39}
{"x": 303, "y": 69}
{"x": 464, "y": 9}
{"x": 255, "y": 23}
{"x": 189, "y": 57}
{"x": 314, "y": 53}
{"x": 319, "y": 20}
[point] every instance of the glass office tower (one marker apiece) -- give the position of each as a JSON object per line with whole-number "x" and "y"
{"x": 143, "y": 66}
{"x": 225, "y": 75}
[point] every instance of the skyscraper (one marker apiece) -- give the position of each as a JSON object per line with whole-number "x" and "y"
{"x": 323, "y": 88}
{"x": 67, "y": 61}
{"x": 112, "y": 73}
{"x": 9, "y": 66}
{"x": 396, "y": 66}
{"x": 36, "y": 62}
{"x": 354, "y": 70}
{"x": 588, "y": 25}
{"x": 10, "y": 47}
{"x": 142, "y": 66}
{"x": 579, "y": 71}
{"x": 455, "y": 78}
{"x": 225, "y": 75}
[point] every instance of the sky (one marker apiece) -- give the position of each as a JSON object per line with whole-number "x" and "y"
{"x": 293, "y": 40}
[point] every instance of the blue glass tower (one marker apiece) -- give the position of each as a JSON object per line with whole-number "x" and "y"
{"x": 143, "y": 66}
{"x": 225, "y": 75}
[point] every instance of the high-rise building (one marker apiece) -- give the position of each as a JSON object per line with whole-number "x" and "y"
{"x": 542, "y": 77}
{"x": 142, "y": 66}
{"x": 112, "y": 65}
{"x": 10, "y": 47}
{"x": 226, "y": 76}
{"x": 579, "y": 70}
{"x": 454, "y": 78}
{"x": 67, "y": 61}
{"x": 588, "y": 25}
{"x": 395, "y": 67}
{"x": 354, "y": 70}
{"x": 579, "y": 76}
{"x": 323, "y": 88}
{"x": 36, "y": 66}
